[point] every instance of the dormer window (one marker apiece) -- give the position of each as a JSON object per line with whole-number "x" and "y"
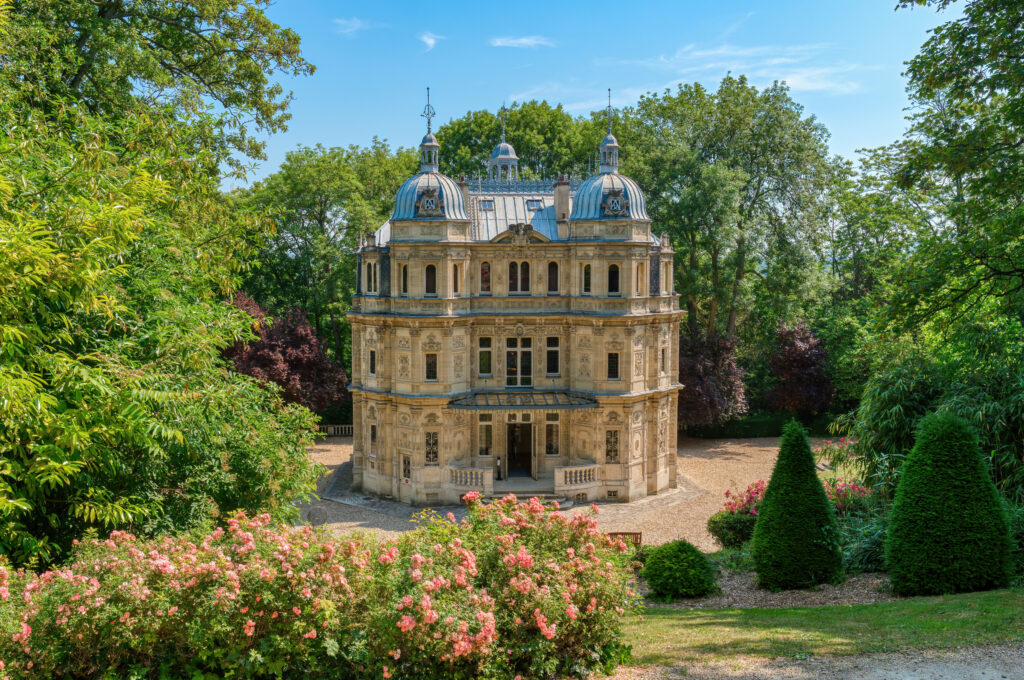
{"x": 533, "y": 205}
{"x": 487, "y": 205}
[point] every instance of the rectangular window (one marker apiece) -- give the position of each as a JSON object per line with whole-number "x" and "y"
{"x": 586, "y": 279}
{"x": 487, "y": 205}
{"x": 663, "y": 360}
{"x": 533, "y": 205}
{"x": 552, "y": 357}
{"x": 455, "y": 279}
{"x": 373, "y": 441}
{"x": 431, "y": 366}
{"x": 486, "y": 435}
{"x": 551, "y": 435}
{"x": 519, "y": 362}
{"x": 406, "y": 467}
{"x": 613, "y": 365}
{"x": 373, "y": 362}
{"x": 611, "y": 446}
{"x": 430, "y": 450}
{"x": 484, "y": 358}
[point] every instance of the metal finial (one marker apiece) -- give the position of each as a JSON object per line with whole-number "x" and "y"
{"x": 503, "y": 115}
{"x": 428, "y": 111}
{"x": 609, "y": 110}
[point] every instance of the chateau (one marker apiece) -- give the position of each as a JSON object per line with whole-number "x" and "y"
{"x": 514, "y": 335}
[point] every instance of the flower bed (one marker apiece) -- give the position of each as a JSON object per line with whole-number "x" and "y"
{"x": 514, "y": 589}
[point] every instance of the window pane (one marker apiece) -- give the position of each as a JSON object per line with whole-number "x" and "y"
{"x": 586, "y": 278}
{"x": 525, "y": 367}
{"x": 611, "y": 446}
{"x": 613, "y": 365}
{"x": 551, "y": 440}
{"x": 373, "y": 362}
{"x": 485, "y": 362}
{"x": 526, "y": 342}
{"x": 455, "y": 279}
{"x": 431, "y": 363}
{"x": 405, "y": 279}
{"x": 552, "y": 367}
{"x": 431, "y": 280}
{"x": 485, "y": 440}
{"x": 524, "y": 278}
{"x": 511, "y": 367}
{"x": 430, "y": 452}
{"x": 613, "y": 279}
{"x": 552, "y": 277}
{"x": 513, "y": 277}
{"x": 485, "y": 277}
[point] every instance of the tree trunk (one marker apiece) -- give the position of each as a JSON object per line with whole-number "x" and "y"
{"x": 741, "y": 268}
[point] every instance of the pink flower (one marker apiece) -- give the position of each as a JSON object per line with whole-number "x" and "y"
{"x": 310, "y": 634}
{"x": 471, "y": 497}
{"x": 406, "y": 624}
{"x": 250, "y": 627}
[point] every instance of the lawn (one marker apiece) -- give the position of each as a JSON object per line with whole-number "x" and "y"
{"x": 675, "y": 636}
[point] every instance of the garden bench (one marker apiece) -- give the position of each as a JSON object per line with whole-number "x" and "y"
{"x": 634, "y": 537}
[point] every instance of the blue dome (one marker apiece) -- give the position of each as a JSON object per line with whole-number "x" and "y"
{"x": 589, "y": 201}
{"x": 408, "y": 205}
{"x": 504, "y": 150}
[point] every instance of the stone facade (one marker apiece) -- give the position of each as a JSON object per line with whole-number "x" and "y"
{"x": 515, "y": 334}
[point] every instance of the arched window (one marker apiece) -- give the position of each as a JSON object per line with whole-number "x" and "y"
{"x": 586, "y": 279}
{"x": 368, "y": 288}
{"x": 430, "y": 280}
{"x": 405, "y": 279}
{"x": 524, "y": 277}
{"x": 455, "y": 279}
{"x": 485, "y": 278}
{"x": 552, "y": 278}
{"x": 613, "y": 279}
{"x": 376, "y": 271}
{"x": 513, "y": 277}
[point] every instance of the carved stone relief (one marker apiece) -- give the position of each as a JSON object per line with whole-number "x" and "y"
{"x": 585, "y": 365}
{"x": 431, "y": 344}
{"x": 460, "y": 365}
{"x": 403, "y": 366}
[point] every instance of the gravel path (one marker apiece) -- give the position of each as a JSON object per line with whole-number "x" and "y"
{"x": 994, "y": 662}
{"x": 707, "y": 468}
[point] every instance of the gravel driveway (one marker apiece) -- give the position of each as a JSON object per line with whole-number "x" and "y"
{"x": 707, "y": 468}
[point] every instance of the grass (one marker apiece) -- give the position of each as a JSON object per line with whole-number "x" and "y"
{"x": 674, "y": 636}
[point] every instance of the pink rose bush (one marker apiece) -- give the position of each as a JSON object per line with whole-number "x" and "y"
{"x": 747, "y": 502}
{"x": 514, "y": 589}
{"x": 847, "y": 495}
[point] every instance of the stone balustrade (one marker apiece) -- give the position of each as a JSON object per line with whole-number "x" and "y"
{"x": 578, "y": 481}
{"x": 468, "y": 478}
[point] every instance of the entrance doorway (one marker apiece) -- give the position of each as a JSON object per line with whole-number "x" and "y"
{"x": 519, "y": 449}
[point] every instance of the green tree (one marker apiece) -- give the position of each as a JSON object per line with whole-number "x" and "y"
{"x": 321, "y": 202}
{"x": 548, "y": 141}
{"x": 116, "y": 410}
{"x": 949, "y": 531}
{"x": 213, "y": 56}
{"x": 967, "y": 145}
{"x": 796, "y": 537}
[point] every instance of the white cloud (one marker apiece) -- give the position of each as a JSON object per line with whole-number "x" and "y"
{"x": 804, "y": 67}
{"x": 525, "y": 41}
{"x": 430, "y": 39}
{"x": 350, "y": 26}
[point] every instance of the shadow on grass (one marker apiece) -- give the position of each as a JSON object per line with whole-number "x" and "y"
{"x": 668, "y": 636}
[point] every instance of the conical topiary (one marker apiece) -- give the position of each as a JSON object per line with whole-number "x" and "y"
{"x": 948, "y": 531}
{"x": 796, "y": 537}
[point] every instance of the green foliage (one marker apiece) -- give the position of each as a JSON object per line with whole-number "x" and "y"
{"x": 215, "y": 57}
{"x": 731, "y": 529}
{"x": 863, "y": 537}
{"x": 796, "y": 538}
{"x": 676, "y": 570}
{"x": 948, "y": 532}
{"x": 1015, "y": 516}
{"x": 760, "y": 425}
{"x": 321, "y": 201}
{"x": 116, "y": 410}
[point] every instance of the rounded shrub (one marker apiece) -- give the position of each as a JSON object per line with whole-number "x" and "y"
{"x": 796, "y": 538}
{"x": 949, "y": 531}
{"x": 731, "y": 529}
{"x": 676, "y": 570}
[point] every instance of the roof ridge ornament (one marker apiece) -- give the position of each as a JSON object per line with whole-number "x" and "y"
{"x": 503, "y": 116}
{"x": 609, "y": 107}
{"x": 429, "y": 113}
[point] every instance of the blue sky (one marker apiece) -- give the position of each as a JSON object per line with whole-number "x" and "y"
{"x": 842, "y": 60}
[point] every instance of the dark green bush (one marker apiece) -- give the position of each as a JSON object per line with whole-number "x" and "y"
{"x": 949, "y": 529}
{"x": 796, "y": 537}
{"x": 676, "y": 570}
{"x": 1015, "y": 513}
{"x": 731, "y": 529}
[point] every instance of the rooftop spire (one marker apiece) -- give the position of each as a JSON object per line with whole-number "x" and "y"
{"x": 503, "y": 115}
{"x": 428, "y": 111}
{"x": 609, "y": 107}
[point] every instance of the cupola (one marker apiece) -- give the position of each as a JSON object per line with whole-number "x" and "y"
{"x": 503, "y": 163}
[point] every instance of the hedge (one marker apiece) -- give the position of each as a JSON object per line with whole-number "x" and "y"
{"x": 949, "y": 530}
{"x": 796, "y": 540}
